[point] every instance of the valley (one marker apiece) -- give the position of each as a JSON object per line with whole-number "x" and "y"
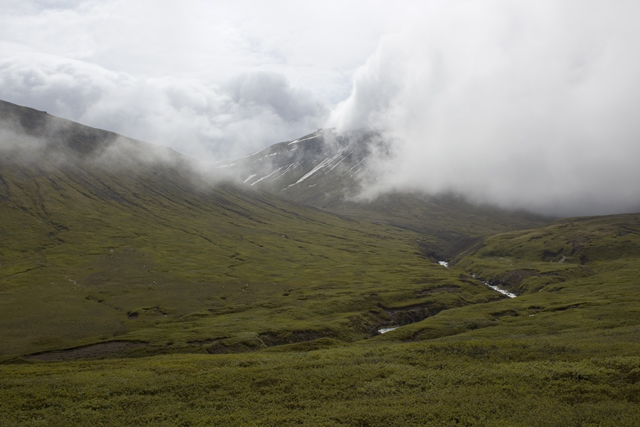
{"x": 137, "y": 287}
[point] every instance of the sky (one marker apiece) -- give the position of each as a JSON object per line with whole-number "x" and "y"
{"x": 526, "y": 104}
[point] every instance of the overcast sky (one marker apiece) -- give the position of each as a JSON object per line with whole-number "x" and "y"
{"x": 523, "y": 103}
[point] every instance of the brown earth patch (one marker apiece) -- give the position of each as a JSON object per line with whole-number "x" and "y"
{"x": 413, "y": 313}
{"x": 205, "y": 342}
{"x": 107, "y": 349}
{"x": 551, "y": 256}
{"x": 272, "y": 339}
{"x": 436, "y": 289}
{"x": 563, "y": 308}
{"x": 515, "y": 277}
{"x": 510, "y": 313}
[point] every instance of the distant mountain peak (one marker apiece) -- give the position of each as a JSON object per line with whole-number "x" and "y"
{"x": 320, "y": 168}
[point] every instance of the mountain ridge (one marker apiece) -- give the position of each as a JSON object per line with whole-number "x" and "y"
{"x": 328, "y": 171}
{"x": 87, "y": 232}
{"x": 135, "y": 289}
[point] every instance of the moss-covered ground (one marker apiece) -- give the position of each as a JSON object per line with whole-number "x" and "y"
{"x": 134, "y": 293}
{"x": 565, "y": 353}
{"x": 497, "y": 382}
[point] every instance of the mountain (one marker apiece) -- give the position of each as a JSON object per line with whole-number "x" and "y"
{"x": 104, "y": 238}
{"x": 320, "y": 169}
{"x": 138, "y": 286}
{"x": 329, "y": 171}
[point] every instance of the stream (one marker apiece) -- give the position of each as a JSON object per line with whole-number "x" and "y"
{"x": 445, "y": 264}
{"x": 497, "y": 288}
{"x": 502, "y": 291}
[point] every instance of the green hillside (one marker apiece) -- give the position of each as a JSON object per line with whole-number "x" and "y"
{"x": 136, "y": 291}
{"x": 577, "y": 279}
{"x": 102, "y": 247}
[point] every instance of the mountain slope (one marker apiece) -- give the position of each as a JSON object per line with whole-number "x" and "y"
{"x": 577, "y": 280}
{"x": 112, "y": 248}
{"x": 328, "y": 171}
{"x": 123, "y": 239}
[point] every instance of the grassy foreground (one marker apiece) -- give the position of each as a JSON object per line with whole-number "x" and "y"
{"x": 523, "y": 382}
{"x": 566, "y": 353}
{"x": 134, "y": 293}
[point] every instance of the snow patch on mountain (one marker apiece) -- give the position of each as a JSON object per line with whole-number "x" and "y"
{"x": 267, "y": 176}
{"x": 323, "y": 164}
{"x": 315, "y": 135}
{"x": 291, "y": 166}
{"x": 314, "y": 170}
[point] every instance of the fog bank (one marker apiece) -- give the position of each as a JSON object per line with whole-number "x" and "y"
{"x": 529, "y": 105}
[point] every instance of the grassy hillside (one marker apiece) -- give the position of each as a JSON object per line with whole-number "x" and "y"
{"x": 449, "y": 224}
{"x": 132, "y": 291}
{"x": 99, "y": 246}
{"x": 517, "y": 382}
{"x": 576, "y": 278}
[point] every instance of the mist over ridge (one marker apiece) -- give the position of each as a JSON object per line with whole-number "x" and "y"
{"x": 529, "y": 106}
{"x": 523, "y": 105}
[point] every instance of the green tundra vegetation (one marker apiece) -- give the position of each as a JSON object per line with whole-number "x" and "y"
{"x": 135, "y": 292}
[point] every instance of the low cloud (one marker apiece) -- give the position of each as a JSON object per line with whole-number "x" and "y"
{"x": 523, "y": 104}
{"x": 273, "y": 91}
{"x": 50, "y": 144}
{"x": 15, "y": 144}
{"x": 216, "y": 122}
{"x": 530, "y": 105}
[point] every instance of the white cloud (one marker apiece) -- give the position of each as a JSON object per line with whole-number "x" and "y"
{"x": 523, "y": 104}
{"x": 313, "y": 44}
{"x": 209, "y": 78}
{"x": 529, "y": 104}
{"x": 206, "y": 121}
